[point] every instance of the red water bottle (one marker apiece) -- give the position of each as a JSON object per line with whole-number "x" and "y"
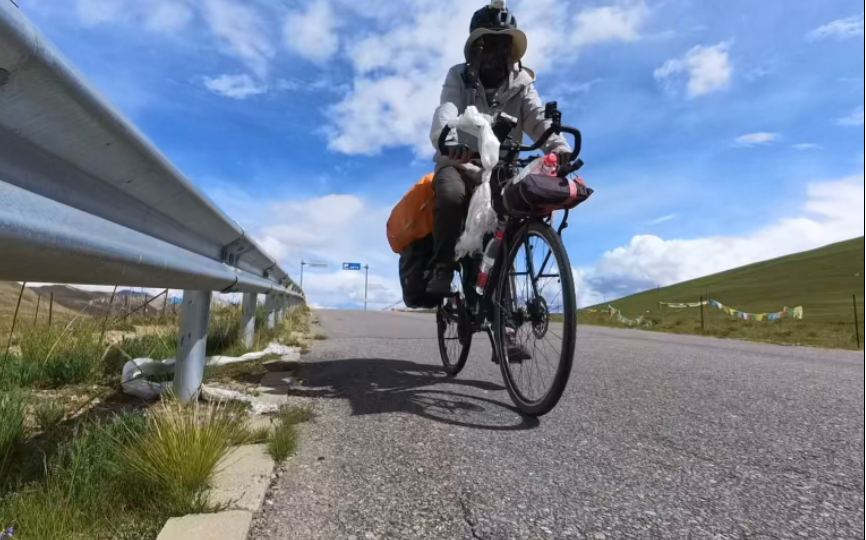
{"x": 488, "y": 260}
{"x": 550, "y": 165}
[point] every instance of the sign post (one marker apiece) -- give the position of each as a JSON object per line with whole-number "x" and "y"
{"x": 366, "y": 283}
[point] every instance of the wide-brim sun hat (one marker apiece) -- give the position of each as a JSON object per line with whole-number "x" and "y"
{"x": 519, "y": 41}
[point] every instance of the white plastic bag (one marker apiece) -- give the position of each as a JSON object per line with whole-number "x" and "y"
{"x": 481, "y": 219}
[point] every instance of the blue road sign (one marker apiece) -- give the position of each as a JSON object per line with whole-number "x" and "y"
{"x": 352, "y": 266}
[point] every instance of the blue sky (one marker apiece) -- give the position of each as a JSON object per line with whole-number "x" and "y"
{"x": 716, "y": 133}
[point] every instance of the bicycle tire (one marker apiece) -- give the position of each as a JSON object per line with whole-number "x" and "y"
{"x": 452, "y": 366}
{"x": 545, "y": 404}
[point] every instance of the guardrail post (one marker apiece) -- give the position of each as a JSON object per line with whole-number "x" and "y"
{"x": 283, "y": 307}
{"x": 270, "y": 307}
{"x": 191, "y": 346}
{"x": 249, "y": 319}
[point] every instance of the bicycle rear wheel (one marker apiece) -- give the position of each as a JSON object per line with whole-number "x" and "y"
{"x": 454, "y": 331}
{"x": 535, "y": 309}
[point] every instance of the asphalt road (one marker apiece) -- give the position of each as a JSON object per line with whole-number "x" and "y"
{"x": 658, "y": 436}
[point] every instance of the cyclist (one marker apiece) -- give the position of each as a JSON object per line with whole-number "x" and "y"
{"x": 494, "y": 80}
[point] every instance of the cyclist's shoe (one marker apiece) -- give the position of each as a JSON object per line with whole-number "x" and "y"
{"x": 440, "y": 284}
{"x": 517, "y": 353}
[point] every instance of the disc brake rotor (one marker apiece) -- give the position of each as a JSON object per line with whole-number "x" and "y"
{"x": 539, "y": 316}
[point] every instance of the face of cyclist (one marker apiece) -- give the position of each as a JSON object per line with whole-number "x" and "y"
{"x": 495, "y": 59}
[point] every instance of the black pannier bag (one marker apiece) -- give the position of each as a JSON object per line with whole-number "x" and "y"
{"x": 415, "y": 273}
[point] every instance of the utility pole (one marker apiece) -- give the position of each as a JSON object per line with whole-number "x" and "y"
{"x": 366, "y": 283}
{"x": 303, "y": 264}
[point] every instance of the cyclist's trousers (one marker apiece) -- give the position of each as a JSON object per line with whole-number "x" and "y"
{"x": 453, "y": 188}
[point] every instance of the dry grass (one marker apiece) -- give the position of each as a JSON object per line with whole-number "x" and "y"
{"x": 12, "y": 415}
{"x": 75, "y": 477}
{"x": 173, "y": 463}
{"x": 49, "y": 414}
{"x": 283, "y": 440}
{"x": 123, "y": 478}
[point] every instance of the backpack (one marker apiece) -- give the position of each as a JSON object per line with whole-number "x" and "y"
{"x": 540, "y": 194}
{"x": 412, "y": 218}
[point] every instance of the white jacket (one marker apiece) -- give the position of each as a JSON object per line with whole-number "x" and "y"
{"x": 516, "y": 97}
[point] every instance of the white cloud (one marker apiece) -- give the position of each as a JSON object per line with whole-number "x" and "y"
{"x": 235, "y": 86}
{"x": 167, "y": 16}
{"x": 851, "y": 27}
{"x": 242, "y": 32}
{"x": 833, "y": 212}
{"x": 312, "y": 32}
{"x": 853, "y": 119}
{"x": 756, "y": 139}
{"x": 399, "y": 72}
{"x": 346, "y": 288}
{"x": 333, "y": 229}
{"x": 805, "y": 147}
{"x": 663, "y": 219}
{"x": 609, "y": 23}
{"x": 95, "y": 12}
{"x": 707, "y": 70}
{"x": 398, "y": 80}
{"x": 157, "y": 15}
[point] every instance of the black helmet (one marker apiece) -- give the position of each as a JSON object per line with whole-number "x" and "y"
{"x": 493, "y": 17}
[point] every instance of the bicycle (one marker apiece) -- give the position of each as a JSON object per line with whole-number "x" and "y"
{"x": 519, "y": 306}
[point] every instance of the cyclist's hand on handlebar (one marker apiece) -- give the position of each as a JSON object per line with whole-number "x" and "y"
{"x": 564, "y": 157}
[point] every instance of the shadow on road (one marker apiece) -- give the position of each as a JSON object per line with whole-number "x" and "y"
{"x": 379, "y": 386}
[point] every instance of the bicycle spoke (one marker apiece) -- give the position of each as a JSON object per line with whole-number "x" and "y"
{"x": 536, "y": 292}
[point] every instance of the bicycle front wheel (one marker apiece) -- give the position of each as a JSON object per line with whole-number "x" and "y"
{"x": 453, "y": 330}
{"x": 536, "y": 319}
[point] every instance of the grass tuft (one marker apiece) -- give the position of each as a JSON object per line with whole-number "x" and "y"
{"x": 283, "y": 440}
{"x": 295, "y": 414}
{"x": 49, "y": 414}
{"x": 12, "y": 430}
{"x": 172, "y": 465}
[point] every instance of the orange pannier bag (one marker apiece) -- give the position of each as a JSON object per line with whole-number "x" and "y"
{"x": 412, "y": 218}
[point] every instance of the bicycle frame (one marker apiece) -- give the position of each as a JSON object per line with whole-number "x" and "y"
{"x": 481, "y": 308}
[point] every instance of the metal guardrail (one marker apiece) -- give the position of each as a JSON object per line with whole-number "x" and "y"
{"x": 86, "y": 198}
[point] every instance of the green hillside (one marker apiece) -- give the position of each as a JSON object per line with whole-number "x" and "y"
{"x": 822, "y": 281}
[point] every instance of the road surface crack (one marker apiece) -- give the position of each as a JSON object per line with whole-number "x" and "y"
{"x": 469, "y": 517}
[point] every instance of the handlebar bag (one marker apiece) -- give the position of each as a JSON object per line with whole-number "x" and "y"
{"x": 540, "y": 195}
